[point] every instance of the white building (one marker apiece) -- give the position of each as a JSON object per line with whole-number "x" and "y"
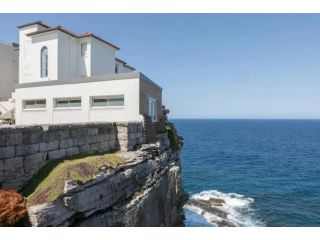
{"x": 65, "y": 78}
{"x": 9, "y": 64}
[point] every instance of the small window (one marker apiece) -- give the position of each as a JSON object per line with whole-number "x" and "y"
{"x": 67, "y": 103}
{"x": 152, "y": 109}
{"x": 108, "y": 101}
{"x": 44, "y": 62}
{"x": 84, "y": 49}
{"x": 116, "y": 69}
{"x": 34, "y": 104}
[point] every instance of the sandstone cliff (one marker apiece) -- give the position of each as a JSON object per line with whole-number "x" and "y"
{"x": 144, "y": 191}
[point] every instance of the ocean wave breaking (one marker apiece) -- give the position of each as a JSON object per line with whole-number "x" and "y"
{"x": 214, "y": 208}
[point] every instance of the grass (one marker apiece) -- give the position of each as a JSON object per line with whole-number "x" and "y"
{"x": 49, "y": 183}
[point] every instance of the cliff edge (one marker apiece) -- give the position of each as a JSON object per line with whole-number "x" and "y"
{"x": 143, "y": 190}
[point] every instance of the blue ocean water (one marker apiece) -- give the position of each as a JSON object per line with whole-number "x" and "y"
{"x": 273, "y": 165}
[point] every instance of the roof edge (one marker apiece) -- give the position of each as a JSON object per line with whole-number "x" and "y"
{"x": 34, "y": 23}
{"x": 98, "y": 78}
{"x": 66, "y": 31}
{"x": 128, "y": 66}
{"x": 145, "y": 78}
{"x": 119, "y": 60}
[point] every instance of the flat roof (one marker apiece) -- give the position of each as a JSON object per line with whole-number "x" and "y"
{"x": 107, "y": 77}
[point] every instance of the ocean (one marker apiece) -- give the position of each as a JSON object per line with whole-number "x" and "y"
{"x": 266, "y": 171}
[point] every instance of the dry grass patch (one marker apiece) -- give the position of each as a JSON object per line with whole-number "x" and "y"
{"x": 12, "y": 208}
{"x": 49, "y": 183}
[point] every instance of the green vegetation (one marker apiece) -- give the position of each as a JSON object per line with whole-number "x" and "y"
{"x": 172, "y": 138}
{"x": 49, "y": 183}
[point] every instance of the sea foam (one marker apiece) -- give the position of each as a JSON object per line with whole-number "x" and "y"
{"x": 238, "y": 209}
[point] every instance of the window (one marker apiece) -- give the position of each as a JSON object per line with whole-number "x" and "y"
{"x": 34, "y": 104}
{"x": 152, "y": 109}
{"x": 84, "y": 49}
{"x": 116, "y": 69}
{"x": 44, "y": 62}
{"x": 108, "y": 101}
{"x": 67, "y": 103}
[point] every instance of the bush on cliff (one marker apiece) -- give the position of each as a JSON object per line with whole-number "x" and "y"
{"x": 174, "y": 144}
{"x": 49, "y": 183}
{"x": 12, "y": 208}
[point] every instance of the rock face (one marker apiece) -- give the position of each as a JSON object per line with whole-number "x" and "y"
{"x": 211, "y": 206}
{"x": 146, "y": 191}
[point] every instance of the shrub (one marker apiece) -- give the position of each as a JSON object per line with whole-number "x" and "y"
{"x": 12, "y": 208}
{"x": 174, "y": 144}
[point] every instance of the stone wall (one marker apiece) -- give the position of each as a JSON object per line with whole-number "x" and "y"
{"x": 24, "y": 150}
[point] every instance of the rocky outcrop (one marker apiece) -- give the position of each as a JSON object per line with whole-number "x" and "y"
{"x": 212, "y": 207}
{"x": 146, "y": 191}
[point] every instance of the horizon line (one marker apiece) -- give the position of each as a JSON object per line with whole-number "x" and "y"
{"x": 190, "y": 118}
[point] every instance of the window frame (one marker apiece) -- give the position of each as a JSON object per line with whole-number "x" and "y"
{"x": 44, "y": 62}
{"x": 92, "y": 98}
{"x": 55, "y": 101}
{"x": 153, "y": 109}
{"x": 82, "y": 53}
{"x": 35, "y": 108}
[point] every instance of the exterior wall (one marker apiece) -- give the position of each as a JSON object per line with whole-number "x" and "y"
{"x": 151, "y": 129}
{"x": 148, "y": 89}
{"x": 32, "y": 74}
{"x": 122, "y": 68}
{"x": 102, "y": 58}
{"x": 68, "y": 56}
{"x": 127, "y": 87}
{"x": 64, "y": 56}
{"x": 84, "y": 62}
{"x": 9, "y": 69}
{"x": 28, "y": 56}
{"x": 25, "y": 150}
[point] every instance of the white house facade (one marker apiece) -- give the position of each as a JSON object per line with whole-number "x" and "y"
{"x": 9, "y": 71}
{"x": 66, "y": 78}
{"x": 9, "y": 65}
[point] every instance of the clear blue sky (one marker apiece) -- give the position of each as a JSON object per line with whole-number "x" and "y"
{"x": 212, "y": 65}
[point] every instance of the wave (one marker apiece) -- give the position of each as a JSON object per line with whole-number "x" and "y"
{"x": 214, "y": 208}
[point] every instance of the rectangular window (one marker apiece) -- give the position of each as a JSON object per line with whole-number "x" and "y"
{"x": 152, "y": 109}
{"x": 34, "y": 104}
{"x": 67, "y": 103}
{"x": 84, "y": 49}
{"x": 108, "y": 101}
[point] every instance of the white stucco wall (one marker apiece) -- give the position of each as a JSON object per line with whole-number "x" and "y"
{"x": 49, "y": 40}
{"x": 27, "y": 55}
{"x": 64, "y": 56}
{"x": 102, "y": 58}
{"x": 9, "y": 70}
{"x": 122, "y": 68}
{"x": 127, "y": 87}
{"x": 70, "y": 62}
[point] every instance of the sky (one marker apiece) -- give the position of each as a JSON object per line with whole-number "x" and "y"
{"x": 212, "y": 65}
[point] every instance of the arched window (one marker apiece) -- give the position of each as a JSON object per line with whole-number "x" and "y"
{"x": 44, "y": 62}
